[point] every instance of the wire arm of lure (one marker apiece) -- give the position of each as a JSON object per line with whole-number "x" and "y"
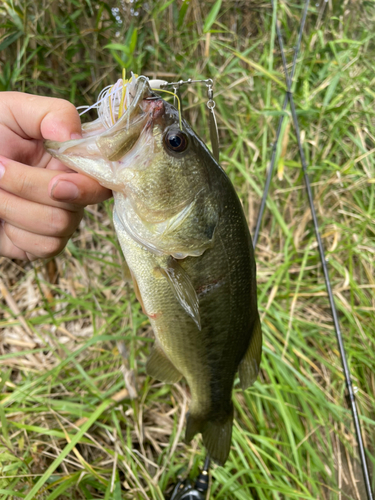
{"x": 214, "y": 131}
{"x": 209, "y": 81}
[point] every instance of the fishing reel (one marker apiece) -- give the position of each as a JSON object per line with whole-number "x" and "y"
{"x": 185, "y": 490}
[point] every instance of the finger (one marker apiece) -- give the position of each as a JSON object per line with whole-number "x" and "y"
{"x": 39, "y": 117}
{"x": 36, "y": 218}
{"x": 21, "y": 244}
{"x": 7, "y": 248}
{"x": 43, "y": 186}
{"x": 27, "y": 151}
{"x": 63, "y": 186}
{"x": 29, "y": 183}
{"x": 55, "y": 164}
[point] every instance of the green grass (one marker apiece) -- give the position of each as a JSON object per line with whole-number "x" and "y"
{"x": 79, "y": 417}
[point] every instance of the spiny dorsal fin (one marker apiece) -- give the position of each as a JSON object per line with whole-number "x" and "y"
{"x": 160, "y": 367}
{"x": 249, "y": 366}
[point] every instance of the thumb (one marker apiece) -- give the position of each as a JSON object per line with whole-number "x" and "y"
{"x": 42, "y": 117}
{"x": 61, "y": 122}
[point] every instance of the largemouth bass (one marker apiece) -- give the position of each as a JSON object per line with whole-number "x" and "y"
{"x": 187, "y": 244}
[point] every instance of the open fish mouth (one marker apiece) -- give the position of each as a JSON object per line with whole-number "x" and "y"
{"x": 124, "y": 110}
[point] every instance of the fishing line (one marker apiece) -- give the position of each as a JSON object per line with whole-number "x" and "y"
{"x": 349, "y": 386}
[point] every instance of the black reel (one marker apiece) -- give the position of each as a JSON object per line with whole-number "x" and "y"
{"x": 185, "y": 490}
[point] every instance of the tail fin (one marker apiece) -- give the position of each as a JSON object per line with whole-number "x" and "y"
{"x": 217, "y": 435}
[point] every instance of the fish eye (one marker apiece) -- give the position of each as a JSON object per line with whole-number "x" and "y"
{"x": 176, "y": 140}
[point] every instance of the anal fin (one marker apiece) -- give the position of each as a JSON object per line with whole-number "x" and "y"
{"x": 160, "y": 367}
{"x": 250, "y": 363}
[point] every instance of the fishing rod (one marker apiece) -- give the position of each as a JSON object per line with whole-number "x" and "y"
{"x": 275, "y": 144}
{"x": 289, "y": 97}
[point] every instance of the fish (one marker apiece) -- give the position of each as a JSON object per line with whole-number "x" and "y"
{"x": 187, "y": 245}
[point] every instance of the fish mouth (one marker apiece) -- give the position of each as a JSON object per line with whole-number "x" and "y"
{"x": 112, "y": 141}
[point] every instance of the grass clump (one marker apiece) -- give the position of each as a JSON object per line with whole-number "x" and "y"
{"x": 78, "y": 415}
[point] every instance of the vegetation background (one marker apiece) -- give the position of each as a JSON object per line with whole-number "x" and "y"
{"x": 79, "y": 417}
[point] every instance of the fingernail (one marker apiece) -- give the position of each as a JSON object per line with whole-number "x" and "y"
{"x": 76, "y": 136}
{"x": 2, "y": 170}
{"x": 64, "y": 191}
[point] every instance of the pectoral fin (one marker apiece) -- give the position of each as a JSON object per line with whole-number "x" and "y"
{"x": 159, "y": 366}
{"x": 183, "y": 289}
{"x": 249, "y": 366}
{"x": 137, "y": 292}
{"x": 126, "y": 273}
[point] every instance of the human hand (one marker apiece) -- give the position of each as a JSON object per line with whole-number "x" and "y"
{"x": 41, "y": 200}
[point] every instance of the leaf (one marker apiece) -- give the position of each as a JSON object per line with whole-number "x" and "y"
{"x": 4, "y": 427}
{"x": 211, "y": 18}
{"x": 120, "y": 62}
{"x": 117, "y": 491}
{"x": 133, "y": 41}
{"x": 15, "y": 14}
{"x": 331, "y": 89}
{"x": 182, "y": 13}
{"x": 65, "y": 483}
{"x": 118, "y": 46}
{"x": 260, "y": 68}
{"x": 10, "y": 39}
{"x": 11, "y": 493}
{"x": 163, "y": 7}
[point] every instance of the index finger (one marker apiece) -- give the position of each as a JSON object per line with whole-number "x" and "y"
{"x": 39, "y": 117}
